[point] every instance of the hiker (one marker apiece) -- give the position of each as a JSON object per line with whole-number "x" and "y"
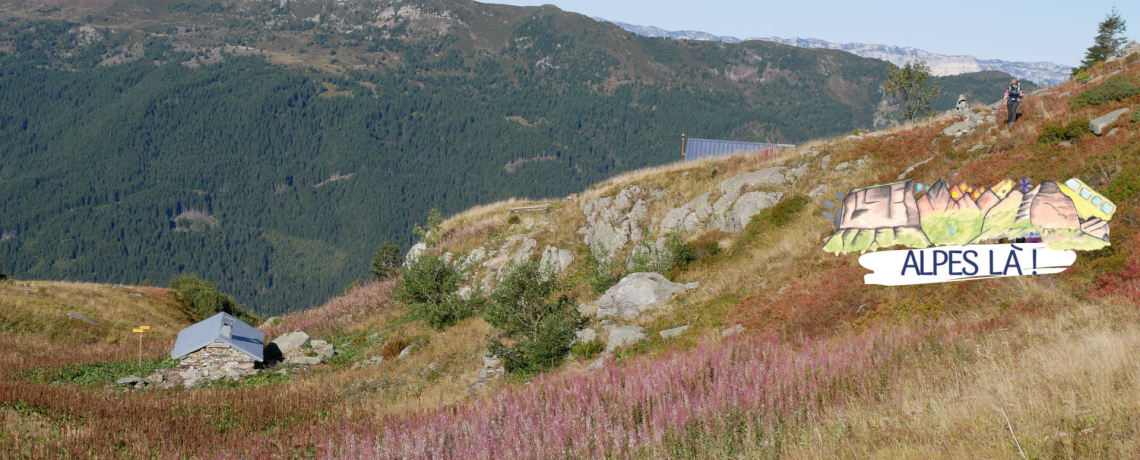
{"x": 1013, "y": 97}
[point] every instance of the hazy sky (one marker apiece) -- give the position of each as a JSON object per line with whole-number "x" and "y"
{"x": 1045, "y": 30}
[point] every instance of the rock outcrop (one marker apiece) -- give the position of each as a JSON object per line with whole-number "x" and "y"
{"x": 636, "y": 293}
{"x": 735, "y": 207}
{"x": 611, "y": 222}
{"x": 556, "y": 259}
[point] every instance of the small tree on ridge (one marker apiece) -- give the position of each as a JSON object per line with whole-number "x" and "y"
{"x": 910, "y": 86}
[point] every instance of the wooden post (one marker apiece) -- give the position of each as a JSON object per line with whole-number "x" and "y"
{"x": 140, "y": 331}
{"x": 683, "y": 145}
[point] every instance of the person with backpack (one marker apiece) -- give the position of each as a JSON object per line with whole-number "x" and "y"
{"x": 1013, "y": 97}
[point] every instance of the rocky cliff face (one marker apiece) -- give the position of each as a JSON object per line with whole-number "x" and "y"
{"x": 1044, "y": 73}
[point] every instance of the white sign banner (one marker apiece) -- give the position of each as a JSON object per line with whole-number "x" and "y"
{"x": 959, "y": 263}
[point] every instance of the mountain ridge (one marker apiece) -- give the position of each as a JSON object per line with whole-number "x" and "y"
{"x": 1046, "y": 73}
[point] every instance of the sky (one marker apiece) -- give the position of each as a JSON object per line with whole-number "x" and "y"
{"x": 1056, "y": 31}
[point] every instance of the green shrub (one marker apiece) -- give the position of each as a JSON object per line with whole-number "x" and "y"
{"x": 603, "y": 273}
{"x": 204, "y": 300}
{"x": 1136, "y": 113}
{"x": 1124, "y": 186}
{"x": 93, "y": 374}
{"x": 1055, "y": 133}
{"x": 514, "y": 219}
{"x": 1114, "y": 89}
{"x": 534, "y": 316}
{"x": 386, "y": 261}
{"x": 587, "y": 350}
{"x": 687, "y": 252}
{"x": 784, "y": 212}
{"x": 429, "y": 286}
{"x": 647, "y": 257}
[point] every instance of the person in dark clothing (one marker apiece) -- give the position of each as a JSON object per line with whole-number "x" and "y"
{"x": 1013, "y": 99}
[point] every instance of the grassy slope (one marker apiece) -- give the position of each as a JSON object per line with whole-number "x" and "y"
{"x": 1056, "y": 354}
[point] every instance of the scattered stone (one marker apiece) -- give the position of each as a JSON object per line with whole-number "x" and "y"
{"x": 625, "y": 336}
{"x": 405, "y": 352}
{"x": 1066, "y": 144}
{"x": 843, "y": 166}
{"x": 1112, "y": 132}
{"x": 323, "y": 349}
{"x": 976, "y": 148}
{"x": 557, "y": 259}
{"x": 82, "y": 318}
{"x": 818, "y": 191}
{"x": 268, "y": 322}
{"x": 749, "y": 205}
{"x": 156, "y": 377}
{"x": 585, "y": 335}
{"x": 1098, "y": 124}
{"x": 303, "y": 360}
{"x": 290, "y": 342}
{"x": 369, "y": 362}
{"x": 738, "y": 328}
{"x": 674, "y": 332}
{"x": 597, "y": 364}
{"x": 132, "y": 380}
{"x": 636, "y": 293}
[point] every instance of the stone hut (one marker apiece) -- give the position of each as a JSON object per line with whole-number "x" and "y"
{"x": 217, "y": 348}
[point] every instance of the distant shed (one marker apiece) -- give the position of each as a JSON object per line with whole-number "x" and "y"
{"x": 695, "y": 149}
{"x": 220, "y": 346}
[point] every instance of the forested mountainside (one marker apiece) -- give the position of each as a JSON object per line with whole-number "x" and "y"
{"x": 270, "y": 147}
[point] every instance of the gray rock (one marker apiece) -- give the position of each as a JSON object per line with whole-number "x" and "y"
{"x": 190, "y": 374}
{"x": 405, "y": 352}
{"x": 189, "y": 382}
{"x": 674, "y": 219}
{"x": 134, "y": 379}
{"x": 818, "y": 191}
{"x": 825, "y": 161}
{"x": 156, "y": 377}
{"x": 625, "y": 336}
{"x": 268, "y": 322}
{"x": 1098, "y": 124}
{"x": 1066, "y": 144}
{"x": 290, "y": 342}
{"x": 323, "y": 349}
{"x": 303, "y": 360}
{"x": 415, "y": 252}
{"x": 490, "y": 361}
{"x": 843, "y": 166}
{"x": 960, "y": 128}
{"x": 976, "y": 148}
{"x": 525, "y": 251}
{"x": 636, "y": 293}
{"x": 747, "y": 206}
{"x": 475, "y": 256}
{"x": 732, "y": 330}
{"x": 1112, "y": 132}
{"x": 557, "y": 259}
{"x": 675, "y": 332}
{"x": 585, "y": 335}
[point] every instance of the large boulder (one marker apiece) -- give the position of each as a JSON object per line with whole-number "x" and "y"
{"x": 636, "y": 293}
{"x": 1097, "y": 125}
{"x": 288, "y": 343}
{"x": 415, "y": 252}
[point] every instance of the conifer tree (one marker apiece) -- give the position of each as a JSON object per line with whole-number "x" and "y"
{"x": 1109, "y": 38}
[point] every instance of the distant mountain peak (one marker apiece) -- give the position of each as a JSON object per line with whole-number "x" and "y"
{"x": 1044, "y": 73}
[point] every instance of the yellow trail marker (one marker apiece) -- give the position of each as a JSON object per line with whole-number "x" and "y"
{"x": 144, "y": 327}
{"x": 138, "y": 330}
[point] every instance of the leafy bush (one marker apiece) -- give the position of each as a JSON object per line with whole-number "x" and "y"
{"x": 514, "y": 219}
{"x": 647, "y": 257}
{"x": 604, "y": 274}
{"x": 429, "y": 286}
{"x": 1123, "y": 186}
{"x": 1055, "y": 133}
{"x": 430, "y": 235}
{"x": 204, "y": 300}
{"x": 386, "y": 262}
{"x": 535, "y": 317}
{"x": 586, "y": 350}
{"x": 687, "y": 252}
{"x": 784, "y": 212}
{"x": 1136, "y": 111}
{"x": 1114, "y": 89}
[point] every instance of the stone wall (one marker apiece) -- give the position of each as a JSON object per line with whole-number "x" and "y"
{"x": 215, "y": 363}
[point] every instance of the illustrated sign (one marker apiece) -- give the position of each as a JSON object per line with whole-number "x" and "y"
{"x": 910, "y": 233}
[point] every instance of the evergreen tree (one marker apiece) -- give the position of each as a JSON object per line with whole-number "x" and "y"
{"x": 1109, "y": 38}
{"x": 910, "y": 86}
{"x": 386, "y": 261}
{"x": 535, "y": 316}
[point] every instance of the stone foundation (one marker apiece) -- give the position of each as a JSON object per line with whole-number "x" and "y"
{"x": 215, "y": 363}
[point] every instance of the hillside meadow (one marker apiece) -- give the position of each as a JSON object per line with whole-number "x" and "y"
{"x": 825, "y": 367}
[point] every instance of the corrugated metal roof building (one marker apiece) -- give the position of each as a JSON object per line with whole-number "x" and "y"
{"x": 220, "y": 329}
{"x": 695, "y": 149}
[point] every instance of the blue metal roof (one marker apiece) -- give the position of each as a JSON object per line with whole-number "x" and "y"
{"x": 700, "y": 149}
{"x": 241, "y": 336}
